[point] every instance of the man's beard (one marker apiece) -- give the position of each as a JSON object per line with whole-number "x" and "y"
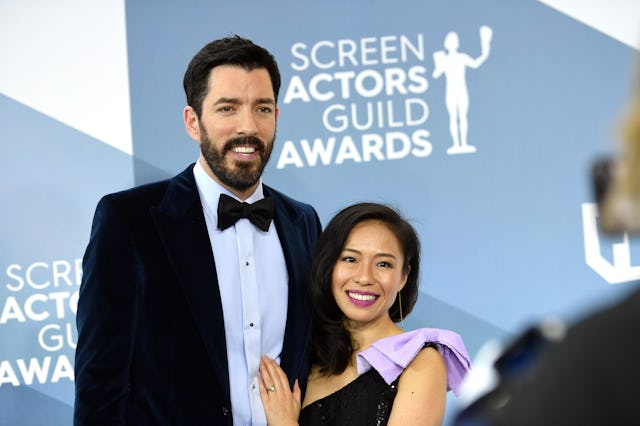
{"x": 242, "y": 175}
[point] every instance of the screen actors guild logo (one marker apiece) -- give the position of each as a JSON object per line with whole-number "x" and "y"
{"x": 618, "y": 271}
{"x": 453, "y": 65}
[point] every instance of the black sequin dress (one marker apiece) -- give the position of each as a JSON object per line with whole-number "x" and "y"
{"x": 365, "y": 401}
{"x": 368, "y": 399}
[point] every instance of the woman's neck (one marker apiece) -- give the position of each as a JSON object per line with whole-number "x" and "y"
{"x": 364, "y": 335}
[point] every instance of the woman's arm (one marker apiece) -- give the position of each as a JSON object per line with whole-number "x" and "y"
{"x": 422, "y": 391}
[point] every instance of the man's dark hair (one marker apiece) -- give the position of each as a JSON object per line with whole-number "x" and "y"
{"x": 233, "y": 50}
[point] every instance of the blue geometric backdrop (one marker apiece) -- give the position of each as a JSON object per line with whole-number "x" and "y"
{"x": 91, "y": 102}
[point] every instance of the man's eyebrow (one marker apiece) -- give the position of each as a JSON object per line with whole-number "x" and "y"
{"x": 270, "y": 101}
{"x": 227, "y": 101}
{"x": 236, "y": 101}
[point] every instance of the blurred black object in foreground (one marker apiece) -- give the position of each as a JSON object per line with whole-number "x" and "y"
{"x": 589, "y": 378}
{"x": 514, "y": 368}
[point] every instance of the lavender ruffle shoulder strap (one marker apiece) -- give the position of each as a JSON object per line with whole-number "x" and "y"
{"x": 391, "y": 355}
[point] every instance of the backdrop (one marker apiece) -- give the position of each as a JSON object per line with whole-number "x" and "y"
{"x": 91, "y": 103}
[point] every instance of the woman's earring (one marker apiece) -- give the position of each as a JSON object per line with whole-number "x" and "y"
{"x": 400, "y": 306}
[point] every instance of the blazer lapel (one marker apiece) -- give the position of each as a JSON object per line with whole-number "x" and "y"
{"x": 288, "y": 223}
{"x": 181, "y": 226}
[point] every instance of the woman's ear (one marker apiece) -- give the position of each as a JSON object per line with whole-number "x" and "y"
{"x": 405, "y": 276}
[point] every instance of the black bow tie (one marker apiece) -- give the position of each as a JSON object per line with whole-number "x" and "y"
{"x": 230, "y": 210}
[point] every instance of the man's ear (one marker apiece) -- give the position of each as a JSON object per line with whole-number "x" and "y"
{"x": 191, "y": 123}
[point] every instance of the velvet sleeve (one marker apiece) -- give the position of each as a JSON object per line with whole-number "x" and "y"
{"x": 106, "y": 319}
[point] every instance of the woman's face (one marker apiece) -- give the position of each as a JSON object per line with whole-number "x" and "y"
{"x": 368, "y": 273}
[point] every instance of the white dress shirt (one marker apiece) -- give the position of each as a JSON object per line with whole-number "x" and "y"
{"x": 253, "y": 281}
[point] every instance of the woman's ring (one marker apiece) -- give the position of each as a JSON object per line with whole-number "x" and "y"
{"x": 271, "y": 388}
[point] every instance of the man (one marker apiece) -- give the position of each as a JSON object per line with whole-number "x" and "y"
{"x": 178, "y": 301}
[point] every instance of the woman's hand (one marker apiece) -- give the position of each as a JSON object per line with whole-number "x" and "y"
{"x": 281, "y": 405}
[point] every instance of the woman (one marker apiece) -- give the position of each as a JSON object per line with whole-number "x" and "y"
{"x": 364, "y": 368}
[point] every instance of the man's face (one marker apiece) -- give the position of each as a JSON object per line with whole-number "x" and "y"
{"x": 237, "y": 126}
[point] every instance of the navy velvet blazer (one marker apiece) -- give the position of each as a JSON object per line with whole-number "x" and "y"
{"x": 151, "y": 342}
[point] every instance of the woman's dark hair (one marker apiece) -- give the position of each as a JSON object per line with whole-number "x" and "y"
{"x": 233, "y": 50}
{"x": 331, "y": 344}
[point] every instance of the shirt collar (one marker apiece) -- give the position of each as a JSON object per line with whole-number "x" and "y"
{"x": 210, "y": 190}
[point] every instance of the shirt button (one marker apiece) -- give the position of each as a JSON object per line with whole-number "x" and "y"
{"x": 225, "y": 411}
{"x": 250, "y": 324}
